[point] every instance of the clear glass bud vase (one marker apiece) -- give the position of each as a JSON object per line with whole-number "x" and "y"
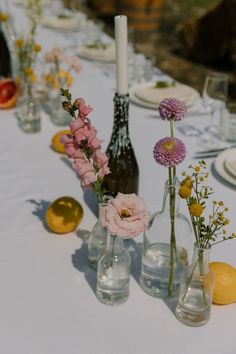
{"x": 113, "y": 273}
{"x": 28, "y": 111}
{"x": 166, "y": 246}
{"x": 196, "y": 290}
{"x": 98, "y": 238}
{"x": 58, "y": 115}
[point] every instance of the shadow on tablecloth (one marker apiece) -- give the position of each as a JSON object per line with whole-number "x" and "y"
{"x": 80, "y": 261}
{"x": 40, "y": 207}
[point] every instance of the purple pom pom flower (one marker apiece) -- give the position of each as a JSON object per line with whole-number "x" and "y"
{"x": 172, "y": 108}
{"x": 169, "y": 152}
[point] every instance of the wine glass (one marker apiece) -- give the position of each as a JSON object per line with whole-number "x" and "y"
{"x": 214, "y": 96}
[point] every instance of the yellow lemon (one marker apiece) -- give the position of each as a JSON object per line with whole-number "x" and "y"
{"x": 57, "y": 145}
{"x": 225, "y": 283}
{"x": 64, "y": 215}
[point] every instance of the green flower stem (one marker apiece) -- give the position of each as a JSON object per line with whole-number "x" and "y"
{"x": 172, "y": 128}
{"x": 172, "y": 235}
{"x": 201, "y": 269}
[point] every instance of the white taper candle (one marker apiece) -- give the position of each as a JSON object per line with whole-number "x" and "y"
{"x": 121, "y": 54}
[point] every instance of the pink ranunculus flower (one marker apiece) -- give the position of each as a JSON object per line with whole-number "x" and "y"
{"x": 126, "y": 215}
{"x": 84, "y": 110}
{"x": 74, "y": 63}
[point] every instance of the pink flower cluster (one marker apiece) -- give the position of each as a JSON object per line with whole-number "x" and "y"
{"x": 56, "y": 55}
{"x": 126, "y": 215}
{"x": 84, "y": 147}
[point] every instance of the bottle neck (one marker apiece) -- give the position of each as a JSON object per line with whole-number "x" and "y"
{"x": 121, "y": 115}
{"x": 200, "y": 259}
{"x": 171, "y": 196}
{"x": 114, "y": 244}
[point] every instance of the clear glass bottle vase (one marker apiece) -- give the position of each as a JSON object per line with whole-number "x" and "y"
{"x": 124, "y": 176}
{"x": 97, "y": 239}
{"x": 58, "y": 115}
{"x": 196, "y": 290}
{"x": 113, "y": 273}
{"x": 28, "y": 110}
{"x": 166, "y": 246}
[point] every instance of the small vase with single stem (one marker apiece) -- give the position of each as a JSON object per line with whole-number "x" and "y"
{"x": 196, "y": 289}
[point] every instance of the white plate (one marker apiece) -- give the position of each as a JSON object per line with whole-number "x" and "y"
{"x": 64, "y": 24}
{"x": 96, "y": 55}
{"x": 220, "y": 165}
{"x": 23, "y": 2}
{"x": 230, "y": 164}
{"x": 146, "y": 104}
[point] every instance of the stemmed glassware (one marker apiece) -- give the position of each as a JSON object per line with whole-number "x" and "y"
{"x": 214, "y": 96}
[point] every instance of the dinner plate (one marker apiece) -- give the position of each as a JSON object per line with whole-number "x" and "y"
{"x": 106, "y": 55}
{"x": 230, "y": 164}
{"x": 147, "y": 96}
{"x": 68, "y": 23}
{"x": 221, "y": 168}
{"x": 23, "y": 2}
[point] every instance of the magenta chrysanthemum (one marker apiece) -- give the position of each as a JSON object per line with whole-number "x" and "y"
{"x": 172, "y": 108}
{"x": 169, "y": 152}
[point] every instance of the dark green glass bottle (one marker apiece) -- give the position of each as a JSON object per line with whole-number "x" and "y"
{"x": 5, "y": 58}
{"x": 124, "y": 176}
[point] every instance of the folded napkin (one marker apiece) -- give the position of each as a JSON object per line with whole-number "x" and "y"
{"x": 151, "y": 94}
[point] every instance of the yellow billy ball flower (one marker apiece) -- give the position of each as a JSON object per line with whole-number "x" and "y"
{"x": 187, "y": 182}
{"x": 37, "y": 47}
{"x": 29, "y": 71}
{"x": 184, "y": 192}
{"x": 197, "y": 168}
{"x": 196, "y": 209}
{"x": 19, "y": 42}
{"x": 3, "y": 17}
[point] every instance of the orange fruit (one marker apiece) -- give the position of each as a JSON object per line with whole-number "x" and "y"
{"x": 57, "y": 145}
{"x": 224, "y": 291}
{"x": 8, "y": 93}
{"x": 64, "y": 215}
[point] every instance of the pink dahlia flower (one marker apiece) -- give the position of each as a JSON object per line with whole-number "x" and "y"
{"x": 169, "y": 152}
{"x": 126, "y": 215}
{"x": 172, "y": 108}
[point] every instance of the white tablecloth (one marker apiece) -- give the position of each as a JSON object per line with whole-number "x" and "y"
{"x": 47, "y": 294}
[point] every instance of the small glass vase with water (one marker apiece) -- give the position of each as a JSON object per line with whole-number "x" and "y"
{"x": 196, "y": 289}
{"x": 113, "y": 272}
{"x": 166, "y": 246}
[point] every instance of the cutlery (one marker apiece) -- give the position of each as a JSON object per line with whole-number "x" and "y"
{"x": 212, "y": 152}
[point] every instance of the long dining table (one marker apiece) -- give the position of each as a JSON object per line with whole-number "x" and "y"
{"x": 48, "y": 303}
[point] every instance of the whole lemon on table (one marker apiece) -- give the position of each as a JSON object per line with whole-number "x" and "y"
{"x": 225, "y": 283}
{"x": 57, "y": 145}
{"x": 64, "y": 215}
